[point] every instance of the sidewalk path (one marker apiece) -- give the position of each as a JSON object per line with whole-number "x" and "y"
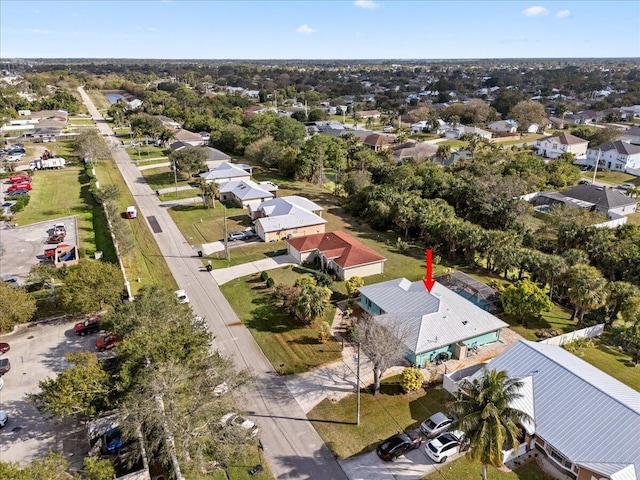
{"x": 224, "y": 275}
{"x": 181, "y": 188}
{"x": 181, "y": 201}
{"x": 151, "y": 166}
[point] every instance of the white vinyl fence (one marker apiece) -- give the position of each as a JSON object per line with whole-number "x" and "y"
{"x": 588, "y": 332}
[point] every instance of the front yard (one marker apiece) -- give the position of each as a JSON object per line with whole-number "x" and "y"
{"x": 464, "y": 468}
{"x": 290, "y": 346}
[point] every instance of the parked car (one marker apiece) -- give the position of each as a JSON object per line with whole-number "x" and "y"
{"x": 10, "y": 279}
{"x": 5, "y": 366}
{"x": 235, "y": 420}
{"x": 18, "y": 193}
{"x": 233, "y": 236}
{"x": 59, "y": 228}
{"x": 19, "y": 186}
{"x": 88, "y": 326}
{"x": 111, "y": 441}
{"x": 107, "y": 342}
{"x": 220, "y": 389}
{"x": 56, "y": 238}
{"x": 182, "y": 296}
{"x": 15, "y": 157}
{"x": 4, "y": 417}
{"x": 50, "y": 252}
{"x": 1, "y": 383}
{"x": 445, "y": 445}
{"x": 19, "y": 178}
{"x": 626, "y": 186}
{"x": 584, "y": 182}
{"x": 399, "y": 444}
{"x": 4, "y": 347}
{"x": 436, "y": 424}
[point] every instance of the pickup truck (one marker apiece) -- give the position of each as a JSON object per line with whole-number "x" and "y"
{"x": 5, "y": 366}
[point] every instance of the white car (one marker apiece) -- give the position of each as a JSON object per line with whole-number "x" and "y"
{"x": 4, "y": 418}
{"x": 239, "y": 421}
{"x": 233, "y": 236}
{"x": 1, "y": 383}
{"x": 182, "y": 296}
{"x": 444, "y": 446}
{"x": 626, "y": 186}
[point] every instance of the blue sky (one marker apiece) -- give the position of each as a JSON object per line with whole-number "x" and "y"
{"x": 362, "y": 29}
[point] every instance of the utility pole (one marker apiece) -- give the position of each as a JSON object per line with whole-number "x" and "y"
{"x": 358, "y": 388}
{"x": 595, "y": 170}
{"x": 226, "y": 236}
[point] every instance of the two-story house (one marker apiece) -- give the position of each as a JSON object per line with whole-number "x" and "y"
{"x": 561, "y": 143}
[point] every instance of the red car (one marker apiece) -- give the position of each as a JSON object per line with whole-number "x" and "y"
{"x": 50, "y": 252}
{"x": 19, "y": 186}
{"x": 88, "y": 326}
{"x": 4, "y": 347}
{"x": 106, "y": 342}
{"x": 19, "y": 178}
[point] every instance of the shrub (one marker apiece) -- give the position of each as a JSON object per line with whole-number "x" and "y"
{"x": 411, "y": 379}
{"x": 21, "y": 202}
{"x": 401, "y": 245}
{"x": 324, "y": 333}
{"x": 270, "y": 282}
{"x": 264, "y": 276}
{"x": 323, "y": 279}
{"x": 353, "y": 284}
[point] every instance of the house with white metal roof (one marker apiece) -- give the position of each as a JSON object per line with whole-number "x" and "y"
{"x": 432, "y": 324}
{"x": 245, "y": 192}
{"x": 287, "y": 217}
{"x": 585, "y": 421}
{"x": 227, "y": 172}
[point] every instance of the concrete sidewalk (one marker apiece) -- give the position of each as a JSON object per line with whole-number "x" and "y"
{"x": 181, "y": 188}
{"x": 224, "y": 275}
{"x": 151, "y": 166}
{"x": 181, "y": 201}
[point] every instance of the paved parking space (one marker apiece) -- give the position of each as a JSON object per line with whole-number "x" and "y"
{"x": 36, "y": 353}
{"x": 412, "y": 466}
{"x": 23, "y": 247}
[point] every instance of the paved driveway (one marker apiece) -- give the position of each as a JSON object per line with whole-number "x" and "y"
{"x": 412, "y": 466}
{"x": 37, "y": 352}
{"x": 224, "y": 275}
{"x": 23, "y": 247}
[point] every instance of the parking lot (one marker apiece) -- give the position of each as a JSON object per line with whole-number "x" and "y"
{"x": 23, "y": 247}
{"x": 37, "y": 352}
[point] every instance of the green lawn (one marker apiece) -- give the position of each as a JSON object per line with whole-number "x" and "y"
{"x": 145, "y": 262}
{"x": 99, "y": 100}
{"x": 613, "y": 178}
{"x": 200, "y": 224}
{"x": 613, "y": 362}
{"x": 529, "y": 137}
{"x": 290, "y": 346}
{"x": 237, "y": 469}
{"x": 455, "y": 144}
{"x": 245, "y": 253}
{"x": 381, "y": 416}
{"x": 81, "y": 121}
{"x": 162, "y": 177}
{"x": 146, "y": 152}
{"x": 194, "y": 192}
{"x": 557, "y": 319}
{"x": 464, "y": 468}
{"x": 634, "y": 218}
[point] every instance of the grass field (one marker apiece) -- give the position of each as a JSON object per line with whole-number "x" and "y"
{"x": 381, "y": 416}
{"x": 99, "y": 100}
{"x": 146, "y": 152}
{"x": 237, "y": 468}
{"x": 464, "y": 468}
{"x": 557, "y": 319}
{"x": 612, "y": 361}
{"x": 161, "y": 177}
{"x": 290, "y": 346}
{"x": 145, "y": 262}
{"x": 455, "y": 144}
{"x": 613, "y": 178}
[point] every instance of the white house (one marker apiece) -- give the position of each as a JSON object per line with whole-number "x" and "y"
{"x": 287, "y": 217}
{"x": 504, "y": 126}
{"x": 631, "y": 135}
{"x": 188, "y": 138}
{"x": 421, "y": 126}
{"x": 460, "y": 130}
{"x": 245, "y": 192}
{"x": 560, "y": 143}
{"x": 583, "y": 421}
{"x": 227, "y": 172}
{"x": 618, "y": 156}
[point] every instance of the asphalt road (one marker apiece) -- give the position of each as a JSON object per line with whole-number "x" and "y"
{"x": 292, "y": 447}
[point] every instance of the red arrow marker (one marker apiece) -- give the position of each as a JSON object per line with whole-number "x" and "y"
{"x": 428, "y": 280}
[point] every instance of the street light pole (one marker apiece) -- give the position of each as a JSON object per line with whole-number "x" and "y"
{"x": 358, "y": 388}
{"x": 226, "y": 237}
{"x": 175, "y": 176}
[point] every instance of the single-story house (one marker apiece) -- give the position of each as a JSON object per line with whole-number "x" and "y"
{"x": 460, "y": 130}
{"x": 440, "y": 322}
{"x": 411, "y": 149}
{"x": 583, "y": 421}
{"x": 618, "y": 156}
{"x": 504, "y": 126}
{"x": 337, "y": 252}
{"x": 421, "y": 126}
{"x": 244, "y": 192}
{"x": 168, "y": 122}
{"x": 609, "y": 201}
{"x": 287, "y": 217}
{"x": 369, "y": 114}
{"x": 215, "y": 157}
{"x": 190, "y": 138}
{"x": 59, "y": 115}
{"x": 560, "y": 143}
{"x": 378, "y": 142}
{"x": 227, "y": 172}
{"x": 632, "y": 135}
{"x": 254, "y": 109}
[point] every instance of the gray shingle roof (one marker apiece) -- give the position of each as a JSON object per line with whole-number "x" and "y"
{"x": 588, "y": 416}
{"x": 225, "y": 170}
{"x": 601, "y": 196}
{"x": 619, "y": 146}
{"x": 429, "y": 320}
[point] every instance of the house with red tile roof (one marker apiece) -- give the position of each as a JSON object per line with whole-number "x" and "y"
{"x": 338, "y": 253}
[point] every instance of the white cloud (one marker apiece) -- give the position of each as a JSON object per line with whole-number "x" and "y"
{"x": 535, "y": 12}
{"x": 563, "y": 14}
{"x": 37, "y": 30}
{"x": 305, "y": 29}
{"x": 368, "y": 4}
{"x": 151, "y": 29}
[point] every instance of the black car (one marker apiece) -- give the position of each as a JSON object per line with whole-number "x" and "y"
{"x": 18, "y": 193}
{"x": 399, "y": 444}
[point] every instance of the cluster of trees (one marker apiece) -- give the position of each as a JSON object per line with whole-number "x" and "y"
{"x": 306, "y": 299}
{"x": 165, "y": 391}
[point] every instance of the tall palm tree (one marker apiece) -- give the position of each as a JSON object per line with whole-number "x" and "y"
{"x": 587, "y": 289}
{"x": 487, "y": 418}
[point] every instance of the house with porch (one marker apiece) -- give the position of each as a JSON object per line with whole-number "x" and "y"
{"x": 432, "y": 325}
{"x": 583, "y": 421}
{"x": 561, "y": 143}
{"x": 618, "y": 156}
{"x": 337, "y": 252}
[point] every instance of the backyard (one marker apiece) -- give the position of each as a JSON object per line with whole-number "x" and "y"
{"x": 290, "y": 346}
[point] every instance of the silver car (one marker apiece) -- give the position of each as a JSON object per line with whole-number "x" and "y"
{"x": 436, "y": 424}
{"x": 4, "y": 418}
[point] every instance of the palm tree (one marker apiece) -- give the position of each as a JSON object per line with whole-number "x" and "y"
{"x": 443, "y": 153}
{"x": 587, "y": 289}
{"x": 486, "y": 416}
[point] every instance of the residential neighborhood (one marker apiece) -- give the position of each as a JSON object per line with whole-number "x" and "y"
{"x": 327, "y": 268}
